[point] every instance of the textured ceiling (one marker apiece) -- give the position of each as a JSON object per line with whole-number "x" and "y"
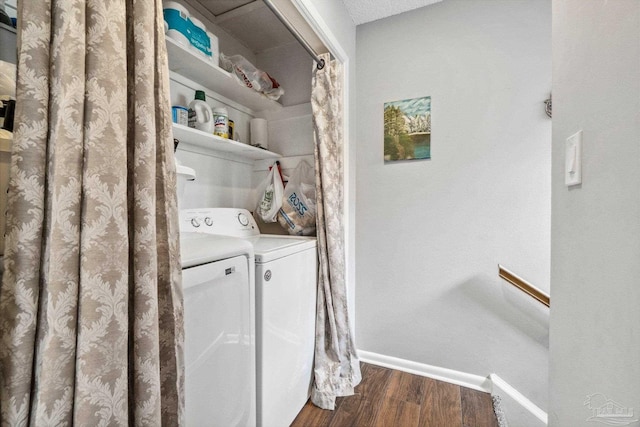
{"x": 363, "y": 11}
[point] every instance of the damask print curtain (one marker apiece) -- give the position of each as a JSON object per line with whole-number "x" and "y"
{"x": 91, "y": 324}
{"x": 336, "y": 366}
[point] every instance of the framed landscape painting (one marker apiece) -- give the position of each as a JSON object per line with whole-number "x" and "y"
{"x": 407, "y": 129}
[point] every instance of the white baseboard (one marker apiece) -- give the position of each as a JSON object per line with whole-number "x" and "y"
{"x": 502, "y": 388}
{"x": 489, "y": 384}
{"x": 463, "y": 379}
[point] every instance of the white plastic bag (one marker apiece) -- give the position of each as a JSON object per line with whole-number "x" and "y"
{"x": 270, "y": 194}
{"x": 298, "y": 212}
{"x": 251, "y": 76}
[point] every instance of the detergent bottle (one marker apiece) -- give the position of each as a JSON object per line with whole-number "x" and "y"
{"x": 200, "y": 115}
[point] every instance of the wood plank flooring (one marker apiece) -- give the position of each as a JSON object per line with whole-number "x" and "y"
{"x": 389, "y": 398}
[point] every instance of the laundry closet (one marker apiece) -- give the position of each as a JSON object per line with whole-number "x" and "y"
{"x": 228, "y": 172}
{"x": 282, "y": 285}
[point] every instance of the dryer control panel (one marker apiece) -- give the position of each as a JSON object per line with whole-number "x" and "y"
{"x": 224, "y": 221}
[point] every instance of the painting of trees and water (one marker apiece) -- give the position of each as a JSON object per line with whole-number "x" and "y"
{"x": 407, "y": 129}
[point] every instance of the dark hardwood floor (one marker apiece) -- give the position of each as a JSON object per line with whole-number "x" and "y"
{"x": 389, "y": 398}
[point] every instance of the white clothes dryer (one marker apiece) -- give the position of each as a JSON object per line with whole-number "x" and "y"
{"x": 286, "y": 288}
{"x": 219, "y": 318}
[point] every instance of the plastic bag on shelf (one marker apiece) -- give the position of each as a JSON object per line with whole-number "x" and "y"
{"x": 270, "y": 193}
{"x": 298, "y": 212}
{"x": 250, "y": 76}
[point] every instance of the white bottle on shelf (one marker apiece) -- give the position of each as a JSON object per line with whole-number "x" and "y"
{"x": 200, "y": 115}
{"x": 221, "y": 122}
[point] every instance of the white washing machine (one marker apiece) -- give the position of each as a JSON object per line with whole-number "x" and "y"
{"x": 286, "y": 277}
{"x": 219, "y": 317}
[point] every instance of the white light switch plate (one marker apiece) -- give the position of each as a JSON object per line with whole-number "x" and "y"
{"x": 573, "y": 160}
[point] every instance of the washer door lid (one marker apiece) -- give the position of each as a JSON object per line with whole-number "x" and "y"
{"x": 270, "y": 247}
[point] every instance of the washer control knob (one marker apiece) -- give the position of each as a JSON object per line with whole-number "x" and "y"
{"x": 195, "y": 222}
{"x": 243, "y": 220}
{"x": 208, "y": 221}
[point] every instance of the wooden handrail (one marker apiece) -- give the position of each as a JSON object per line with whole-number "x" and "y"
{"x": 524, "y": 286}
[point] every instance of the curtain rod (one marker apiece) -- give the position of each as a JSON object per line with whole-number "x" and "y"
{"x": 296, "y": 34}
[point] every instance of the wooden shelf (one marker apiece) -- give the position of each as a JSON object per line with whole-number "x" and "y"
{"x": 214, "y": 143}
{"x": 198, "y": 69}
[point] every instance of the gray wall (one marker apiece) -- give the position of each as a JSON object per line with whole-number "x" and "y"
{"x": 431, "y": 233}
{"x": 291, "y": 66}
{"x": 595, "y": 245}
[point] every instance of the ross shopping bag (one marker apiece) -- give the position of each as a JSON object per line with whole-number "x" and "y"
{"x": 298, "y": 212}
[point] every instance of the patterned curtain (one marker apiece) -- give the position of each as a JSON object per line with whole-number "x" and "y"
{"x": 91, "y": 326}
{"x": 337, "y": 368}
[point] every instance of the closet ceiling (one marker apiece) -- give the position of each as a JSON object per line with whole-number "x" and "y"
{"x": 248, "y": 21}
{"x": 218, "y": 7}
{"x": 253, "y": 24}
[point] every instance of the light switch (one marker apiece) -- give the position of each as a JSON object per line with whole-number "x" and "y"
{"x": 573, "y": 160}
